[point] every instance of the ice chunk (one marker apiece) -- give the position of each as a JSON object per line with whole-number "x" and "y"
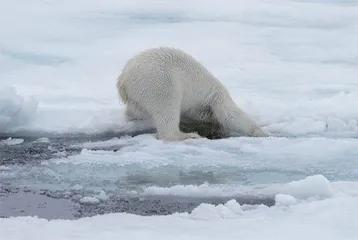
{"x": 206, "y": 211}
{"x": 11, "y": 141}
{"x": 5, "y": 168}
{"x": 43, "y": 140}
{"x": 15, "y": 110}
{"x": 77, "y": 187}
{"x": 89, "y": 200}
{"x": 352, "y": 124}
{"x": 102, "y": 196}
{"x": 234, "y": 206}
{"x": 335, "y": 124}
{"x": 284, "y": 200}
{"x": 312, "y": 186}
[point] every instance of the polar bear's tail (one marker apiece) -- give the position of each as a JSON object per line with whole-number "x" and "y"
{"x": 121, "y": 89}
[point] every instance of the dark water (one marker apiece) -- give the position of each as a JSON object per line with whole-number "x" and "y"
{"x": 28, "y": 203}
{"x": 44, "y": 203}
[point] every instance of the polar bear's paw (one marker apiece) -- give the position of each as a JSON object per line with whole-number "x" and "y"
{"x": 191, "y": 135}
{"x": 259, "y": 133}
{"x": 180, "y": 136}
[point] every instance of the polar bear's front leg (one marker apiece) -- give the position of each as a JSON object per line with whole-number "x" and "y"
{"x": 235, "y": 120}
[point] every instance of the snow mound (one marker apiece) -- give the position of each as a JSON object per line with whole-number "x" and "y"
{"x": 15, "y": 110}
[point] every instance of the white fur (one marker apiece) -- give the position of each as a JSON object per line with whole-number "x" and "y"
{"x": 164, "y": 84}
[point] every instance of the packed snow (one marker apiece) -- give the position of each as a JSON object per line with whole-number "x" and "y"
{"x": 331, "y": 219}
{"x": 292, "y": 65}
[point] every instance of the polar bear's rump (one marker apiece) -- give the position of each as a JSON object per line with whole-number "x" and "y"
{"x": 121, "y": 90}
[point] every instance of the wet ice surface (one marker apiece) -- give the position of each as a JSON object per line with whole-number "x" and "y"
{"x": 78, "y": 177}
{"x": 30, "y": 186}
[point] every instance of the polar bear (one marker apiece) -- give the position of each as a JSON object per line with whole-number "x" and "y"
{"x": 170, "y": 88}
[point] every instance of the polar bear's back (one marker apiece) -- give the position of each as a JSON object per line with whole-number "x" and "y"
{"x": 164, "y": 66}
{"x": 166, "y": 59}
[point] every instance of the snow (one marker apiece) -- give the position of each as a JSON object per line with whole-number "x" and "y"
{"x": 330, "y": 219}
{"x": 292, "y": 65}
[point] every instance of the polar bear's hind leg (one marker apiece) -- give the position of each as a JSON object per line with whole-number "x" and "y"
{"x": 166, "y": 116}
{"x": 162, "y": 109}
{"x": 167, "y": 121}
{"x": 134, "y": 112}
